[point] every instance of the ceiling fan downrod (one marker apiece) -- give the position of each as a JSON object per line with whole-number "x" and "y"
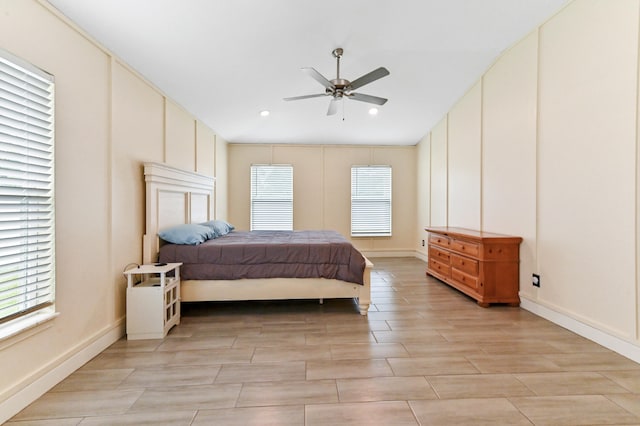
{"x": 337, "y": 53}
{"x": 339, "y": 84}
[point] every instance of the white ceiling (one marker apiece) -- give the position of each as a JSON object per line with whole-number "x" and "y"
{"x": 226, "y": 60}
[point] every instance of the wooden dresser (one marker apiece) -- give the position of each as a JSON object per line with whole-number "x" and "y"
{"x": 482, "y": 265}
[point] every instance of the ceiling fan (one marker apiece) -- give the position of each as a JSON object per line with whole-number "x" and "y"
{"x": 339, "y": 88}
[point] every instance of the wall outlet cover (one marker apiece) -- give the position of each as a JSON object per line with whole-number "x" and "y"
{"x": 535, "y": 280}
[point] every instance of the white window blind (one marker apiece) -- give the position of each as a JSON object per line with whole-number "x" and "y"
{"x": 26, "y": 188}
{"x": 370, "y": 201}
{"x": 272, "y": 197}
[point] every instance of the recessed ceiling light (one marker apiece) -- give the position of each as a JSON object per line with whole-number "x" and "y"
{"x": 373, "y": 111}
{"x": 264, "y": 113}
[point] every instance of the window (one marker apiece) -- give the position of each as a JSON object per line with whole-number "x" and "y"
{"x": 27, "y": 273}
{"x": 370, "y": 201}
{"x": 271, "y": 197}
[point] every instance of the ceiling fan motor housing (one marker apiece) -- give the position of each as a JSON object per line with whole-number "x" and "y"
{"x": 341, "y": 83}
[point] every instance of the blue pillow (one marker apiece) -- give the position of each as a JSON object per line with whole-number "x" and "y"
{"x": 191, "y": 234}
{"x": 219, "y": 227}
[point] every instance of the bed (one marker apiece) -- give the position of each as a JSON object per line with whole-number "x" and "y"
{"x": 175, "y": 196}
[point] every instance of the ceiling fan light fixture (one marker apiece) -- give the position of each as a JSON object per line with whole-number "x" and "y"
{"x": 264, "y": 113}
{"x": 340, "y": 88}
{"x": 373, "y": 111}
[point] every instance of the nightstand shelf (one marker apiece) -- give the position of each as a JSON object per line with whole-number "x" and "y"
{"x": 153, "y": 304}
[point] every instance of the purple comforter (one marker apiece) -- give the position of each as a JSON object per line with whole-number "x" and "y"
{"x": 269, "y": 254}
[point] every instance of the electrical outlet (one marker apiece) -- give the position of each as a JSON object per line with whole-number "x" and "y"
{"x": 422, "y": 243}
{"x": 535, "y": 280}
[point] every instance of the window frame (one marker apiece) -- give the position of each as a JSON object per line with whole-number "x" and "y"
{"x": 361, "y": 194}
{"x": 259, "y": 219}
{"x": 27, "y": 195}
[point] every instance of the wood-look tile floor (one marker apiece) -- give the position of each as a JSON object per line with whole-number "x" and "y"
{"x": 425, "y": 355}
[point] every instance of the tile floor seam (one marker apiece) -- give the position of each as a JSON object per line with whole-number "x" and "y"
{"x": 522, "y": 413}
{"x": 623, "y": 408}
{"x": 515, "y": 376}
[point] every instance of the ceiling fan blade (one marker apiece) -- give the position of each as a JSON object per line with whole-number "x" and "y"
{"x": 333, "y": 107}
{"x": 368, "y": 78}
{"x": 297, "y": 98}
{"x": 318, "y": 77}
{"x": 368, "y": 98}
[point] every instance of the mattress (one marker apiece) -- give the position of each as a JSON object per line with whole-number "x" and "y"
{"x": 269, "y": 254}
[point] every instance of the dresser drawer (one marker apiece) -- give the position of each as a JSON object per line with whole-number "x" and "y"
{"x": 466, "y": 279}
{"x": 464, "y": 264}
{"x": 439, "y": 240}
{"x": 439, "y": 267}
{"x": 501, "y": 252}
{"x": 440, "y": 255}
{"x": 465, "y": 247}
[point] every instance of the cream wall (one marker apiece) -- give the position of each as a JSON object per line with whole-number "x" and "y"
{"x": 438, "y": 161}
{"x": 509, "y": 150}
{"x": 464, "y": 142}
{"x": 588, "y": 88}
{"x": 179, "y": 128}
{"x": 108, "y": 121}
{"x": 205, "y": 153}
{"x": 558, "y": 166}
{"x": 137, "y": 135}
{"x": 222, "y": 179}
{"x": 423, "y": 183}
{"x": 322, "y": 188}
{"x": 307, "y": 188}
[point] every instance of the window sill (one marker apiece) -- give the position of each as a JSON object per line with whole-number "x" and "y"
{"x": 21, "y": 328}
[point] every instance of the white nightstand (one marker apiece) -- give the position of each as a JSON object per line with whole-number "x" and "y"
{"x": 153, "y": 305}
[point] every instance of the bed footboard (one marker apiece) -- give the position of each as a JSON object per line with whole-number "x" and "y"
{"x": 278, "y": 289}
{"x": 364, "y": 299}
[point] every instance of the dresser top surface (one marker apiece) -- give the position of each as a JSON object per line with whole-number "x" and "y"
{"x": 472, "y": 234}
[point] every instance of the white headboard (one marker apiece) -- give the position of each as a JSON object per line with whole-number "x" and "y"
{"x": 173, "y": 197}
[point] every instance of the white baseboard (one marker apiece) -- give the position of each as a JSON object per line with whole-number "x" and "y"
{"x": 609, "y": 341}
{"x": 34, "y": 390}
{"x": 372, "y": 254}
